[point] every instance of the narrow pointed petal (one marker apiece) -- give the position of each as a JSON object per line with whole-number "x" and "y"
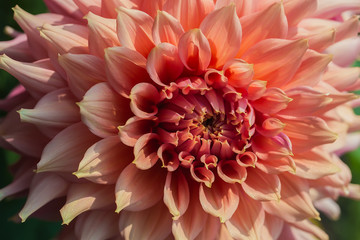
{"x": 64, "y": 152}
{"x": 278, "y": 63}
{"x": 221, "y": 200}
{"x": 83, "y": 71}
{"x": 311, "y": 228}
{"x": 86, "y": 6}
{"x": 102, "y": 110}
{"x": 102, "y": 34}
{"x": 132, "y": 191}
{"x": 44, "y": 188}
{"x": 261, "y": 186}
{"x": 125, "y": 68}
{"x": 328, "y": 207}
{"x": 273, "y": 25}
{"x": 345, "y": 52}
{"x": 134, "y": 29}
{"x": 224, "y": 42}
{"x": 104, "y": 161}
{"x": 176, "y": 194}
{"x": 273, "y": 101}
{"x": 38, "y": 78}
{"x": 242, "y": 7}
{"x": 82, "y": 197}
{"x": 247, "y": 222}
{"x": 97, "y": 225}
{"x": 64, "y": 7}
{"x": 166, "y": 28}
{"x": 277, "y": 166}
{"x": 17, "y": 49}
{"x": 54, "y": 112}
{"x": 151, "y": 224}
{"x": 296, "y": 10}
{"x": 349, "y": 77}
{"x": 272, "y": 148}
{"x": 328, "y": 9}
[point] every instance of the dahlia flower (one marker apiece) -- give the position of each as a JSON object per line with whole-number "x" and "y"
{"x": 183, "y": 119}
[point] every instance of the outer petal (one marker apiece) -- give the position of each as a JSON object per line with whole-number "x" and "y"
{"x": 296, "y": 10}
{"x": 224, "y": 42}
{"x": 65, "y": 150}
{"x": 86, "y": 6}
{"x": 17, "y": 48}
{"x": 166, "y": 28}
{"x": 328, "y": 9}
{"x": 64, "y": 7}
{"x": 151, "y": 224}
{"x": 102, "y": 110}
{"x": 132, "y": 188}
{"x": 211, "y": 229}
{"x": 103, "y": 161}
{"x": 345, "y": 52}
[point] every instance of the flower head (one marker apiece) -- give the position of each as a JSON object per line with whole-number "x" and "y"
{"x": 183, "y": 119}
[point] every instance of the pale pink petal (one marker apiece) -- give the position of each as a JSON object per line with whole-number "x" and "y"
{"x": 86, "y": 6}
{"x": 166, "y": 28}
{"x": 132, "y": 191}
{"x": 151, "y": 224}
{"x": 17, "y": 48}
{"x": 345, "y": 52}
{"x": 272, "y": 227}
{"x": 311, "y": 228}
{"x": 64, "y": 7}
{"x": 224, "y": 42}
{"x": 82, "y": 197}
{"x": 104, "y": 161}
{"x": 329, "y": 207}
{"x": 332, "y": 8}
{"x": 64, "y": 152}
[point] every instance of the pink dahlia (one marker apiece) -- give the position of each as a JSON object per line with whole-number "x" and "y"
{"x": 183, "y": 119}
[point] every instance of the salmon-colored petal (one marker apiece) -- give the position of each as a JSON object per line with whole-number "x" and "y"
{"x": 150, "y": 8}
{"x": 261, "y": 186}
{"x": 164, "y": 65}
{"x": 224, "y": 233}
{"x": 189, "y": 12}
{"x": 210, "y": 229}
{"x": 54, "y": 112}
{"x": 272, "y": 227}
{"x": 82, "y": 197}
{"x": 64, "y": 7}
{"x": 166, "y": 28}
{"x": 273, "y": 101}
{"x": 349, "y": 77}
{"x": 64, "y": 152}
{"x": 125, "y": 68}
{"x": 109, "y": 7}
{"x": 247, "y": 222}
{"x": 278, "y": 63}
{"x": 269, "y": 148}
{"x": 328, "y": 9}
{"x": 242, "y": 7}
{"x": 273, "y": 25}
{"x": 38, "y": 78}
{"x": 296, "y": 10}
{"x": 83, "y": 71}
{"x": 134, "y": 29}
{"x": 311, "y": 228}
{"x": 44, "y": 188}
{"x": 102, "y": 110}
{"x": 86, "y": 6}
{"x": 102, "y": 34}
{"x": 104, "y": 161}
{"x": 145, "y": 151}
{"x": 97, "y": 225}
{"x": 276, "y": 166}
{"x": 224, "y": 42}
{"x": 295, "y": 203}
{"x": 239, "y": 73}
{"x": 176, "y": 194}
{"x": 152, "y": 224}
{"x": 144, "y": 98}
{"x": 221, "y": 200}
{"x": 133, "y": 129}
{"x": 132, "y": 191}
{"x": 270, "y": 127}
{"x": 231, "y": 172}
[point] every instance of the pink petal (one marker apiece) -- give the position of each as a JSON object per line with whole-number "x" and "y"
{"x": 224, "y": 42}
{"x": 329, "y": 207}
{"x": 296, "y": 10}
{"x": 151, "y": 224}
{"x": 332, "y": 8}
{"x": 311, "y": 228}
{"x": 64, "y": 152}
{"x": 345, "y": 52}
{"x": 243, "y": 8}
{"x": 166, "y": 28}
{"x": 86, "y": 6}
{"x": 134, "y": 29}
{"x": 145, "y": 151}
{"x": 125, "y": 68}
{"x": 102, "y": 110}
{"x": 83, "y": 71}
{"x": 272, "y": 226}
{"x": 349, "y": 77}
{"x": 221, "y": 200}
{"x": 104, "y": 161}
{"x": 273, "y": 101}
{"x": 144, "y": 98}
{"x": 102, "y": 34}
{"x": 210, "y": 230}
{"x": 133, "y": 129}
{"x": 17, "y": 48}
{"x": 132, "y": 188}
{"x": 83, "y": 197}
{"x": 231, "y": 172}
{"x": 109, "y": 7}
{"x": 64, "y": 7}
{"x": 164, "y": 65}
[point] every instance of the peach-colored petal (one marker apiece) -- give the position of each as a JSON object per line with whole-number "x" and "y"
{"x": 38, "y": 78}
{"x": 239, "y": 73}
{"x": 242, "y": 7}
{"x": 221, "y": 200}
{"x": 166, "y": 28}
{"x": 270, "y": 127}
{"x": 151, "y": 224}
{"x": 64, "y": 7}
{"x": 150, "y": 8}
{"x": 272, "y": 227}
{"x": 332, "y": 8}
{"x": 134, "y": 29}
{"x": 276, "y": 166}
{"x": 82, "y": 197}
{"x": 278, "y": 63}
{"x": 247, "y": 222}
{"x": 44, "y": 188}
{"x": 102, "y": 34}
{"x": 54, "y": 112}
{"x": 83, "y": 71}
{"x": 132, "y": 191}
{"x": 271, "y": 148}
{"x": 224, "y": 42}
{"x": 273, "y": 25}
{"x": 224, "y": 233}
{"x": 102, "y": 110}
{"x": 311, "y": 228}
{"x": 97, "y": 225}
{"x": 231, "y": 171}
{"x": 164, "y": 64}
{"x": 104, "y": 161}
{"x": 86, "y": 6}
{"x": 262, "y": 187}
{"x": 296, "y": 10}
{"x": 176, "y": 194}
{"x": 64, "y": 152}
{"x": 125, "y": 68}
{"x": 145, "y": 151}
{"x": 349, "y": 77}
{"x": 144, "y": 97}
{"x": 273, "y": 101}
{"x": 133, "y": 129}
{"x": 210, "y": 229}
{"x": 109, "y": 7}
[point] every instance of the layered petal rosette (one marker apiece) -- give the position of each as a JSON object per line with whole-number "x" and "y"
{"x": 183, "y": 119}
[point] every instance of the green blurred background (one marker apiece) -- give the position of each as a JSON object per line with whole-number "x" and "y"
{"x": 346, "y": 228}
